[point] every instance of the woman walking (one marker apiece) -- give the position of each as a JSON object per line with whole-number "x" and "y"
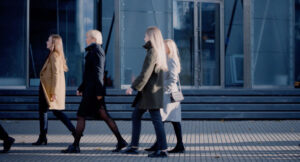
{"x": 52, "y": 89}
{"x": 93, "y": 91}
{"x": 172, "y": 110}
{"x": 7, "y": 140}
{"x": 150, "y": 84}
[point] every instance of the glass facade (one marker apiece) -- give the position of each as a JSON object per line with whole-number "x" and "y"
{"x": 135, "y": 17}
{"x": 196, "y": 28}
{"x": 71, "y": 20}
{"x": 210, "y": 35}
{"x": 13, "y": 45}
{"x": 108, "y": 33}
{"x": 183, "y": 24}
{"x": 272, "y": 42}
{"x": 234, "y": 49}
{"x": 297, "y": 41}
{"x": 209, "y": 44}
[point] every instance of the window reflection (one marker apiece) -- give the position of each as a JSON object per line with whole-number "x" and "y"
{"x": 13, "y": 45}
{"x": 183, "y": 22}
{"x": 272, "y": 41}
{"x": 69, "y": 18}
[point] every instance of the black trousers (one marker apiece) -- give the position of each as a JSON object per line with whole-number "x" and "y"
{"x": 3, "y": 134}
{"x": 43, "y": 115}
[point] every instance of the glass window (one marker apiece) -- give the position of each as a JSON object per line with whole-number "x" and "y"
{"x": 234, "y": 52}
{"x": 108, "y": 42}
{"x": 297, "y": 42}
{"x": 272, "y": 42}
{"x": 13, "y": 45}
{"x": 135, "y": 17}
{"x": 197, "y": 32}
{"x": 183, "y": 24}
{"x": 69, "y": 18}
{"x": 209, "y": 39}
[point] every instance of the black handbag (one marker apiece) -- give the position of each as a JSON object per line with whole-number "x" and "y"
{"x": 177, "y": 96}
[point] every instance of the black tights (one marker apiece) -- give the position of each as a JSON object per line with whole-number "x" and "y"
{"x": 178, "y": 133}
{"x": 103, "y": 115}
{"x": 3, "y": 134}
{"x": 177, "y": 129}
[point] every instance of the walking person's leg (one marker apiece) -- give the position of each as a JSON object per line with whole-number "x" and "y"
{"x": 136, "y": 131}
{"x": 160, "y": 134}
{"x": 7, "y": 141}
{"x": 74, "y": 148}
{"x": 43, "y": 118}
{"x": 67, "y": 122}
{"x": 179, "y": 148}
{"x": 113, "y": 127}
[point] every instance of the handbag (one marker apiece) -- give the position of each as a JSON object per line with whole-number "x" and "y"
{"x": 177, "y": 96}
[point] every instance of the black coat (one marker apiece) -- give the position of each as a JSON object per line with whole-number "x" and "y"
{"x": 93, "y": 81}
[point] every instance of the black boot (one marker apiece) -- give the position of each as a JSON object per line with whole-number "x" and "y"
{"x": 42, "y": 140}
{"x": 71, "y": 149}
{"x": 120, "y": 145}
{"x": 179, "y": 148}
{"x": 152, "y": 148}
{"x": 158, "y": 154}
{"x": 7, "y": 144}
{"x": 130, "y": 150}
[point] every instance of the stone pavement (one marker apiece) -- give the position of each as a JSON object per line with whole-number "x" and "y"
{"x": 218, "y": 141}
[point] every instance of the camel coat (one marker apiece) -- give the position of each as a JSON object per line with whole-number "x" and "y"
{"x": 52, "y": 78}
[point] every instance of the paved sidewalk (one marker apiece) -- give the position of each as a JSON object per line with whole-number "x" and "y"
{"x": 204, "y": 140}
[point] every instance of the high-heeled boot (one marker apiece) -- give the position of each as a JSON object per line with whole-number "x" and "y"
{"x": 121, "y": 144}
{"x": 152, "y": 148}
{"x": 42, "y": 140}
{"x": 179, "y": 148}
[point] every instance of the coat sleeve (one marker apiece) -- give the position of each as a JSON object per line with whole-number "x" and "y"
{"x": 148, "y": 67}
{"x": 81, "y": 87}
{"x": 172, "y": 75}
{"x": 54, "y": 61}
{"x": 98, "y": 65}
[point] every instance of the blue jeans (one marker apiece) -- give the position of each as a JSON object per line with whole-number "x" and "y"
{"x": 158, "y": 126}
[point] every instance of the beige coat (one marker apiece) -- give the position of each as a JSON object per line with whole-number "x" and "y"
{"x": 53, "y": 81}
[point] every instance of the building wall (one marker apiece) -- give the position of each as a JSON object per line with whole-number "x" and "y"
{"x": 274, "y": 37}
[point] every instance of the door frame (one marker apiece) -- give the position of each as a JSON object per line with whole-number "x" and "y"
{"x": 196, "y": 50}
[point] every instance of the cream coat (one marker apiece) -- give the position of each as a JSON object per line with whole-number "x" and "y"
{"x": 53, "y": 81}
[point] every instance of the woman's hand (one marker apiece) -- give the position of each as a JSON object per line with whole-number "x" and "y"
{"x": 99, "y": 97}
{"x": 129, "y": 91}
{"x": 53, "y": 98}
{"x": 78, "y": 93}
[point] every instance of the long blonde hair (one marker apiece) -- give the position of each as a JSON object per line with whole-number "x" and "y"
{"x": 58, "y": 48}
{"x": 174, "y": 54}
{"x": 157, "y": 43}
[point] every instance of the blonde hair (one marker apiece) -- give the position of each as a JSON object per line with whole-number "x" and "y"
{"x": 174, "y": 54}
{"x": 96, "y": 35}
{"x": 157, "y": 43}
{"x": 58, "y": 48}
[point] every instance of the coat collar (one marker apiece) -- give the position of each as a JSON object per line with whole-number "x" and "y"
{"x": 92, "y": 46}
{"x": 147, "y": 45}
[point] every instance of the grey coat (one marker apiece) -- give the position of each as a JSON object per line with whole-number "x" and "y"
{"x": 172, "y": 110}
{"x": 149, "y": 83}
